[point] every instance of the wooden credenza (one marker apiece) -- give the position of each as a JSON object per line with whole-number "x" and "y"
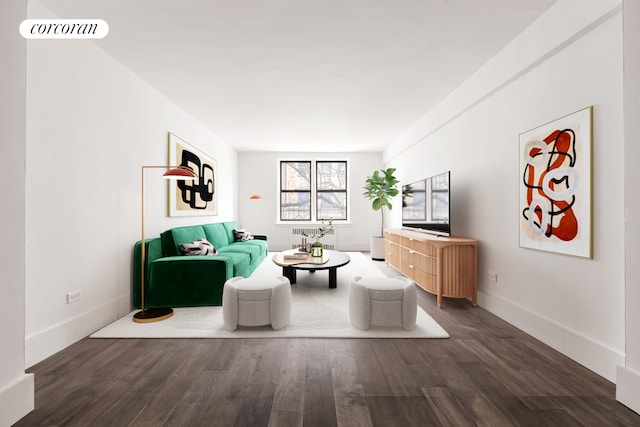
{"x": 444, "y": 266}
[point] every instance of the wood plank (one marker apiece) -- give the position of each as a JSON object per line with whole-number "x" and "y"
{"x": 351, "y": 403}
{"x": 446, "y": 407}
{"x": 289, "y": 396}
{"x": 400, "y": 377}
{"x": 388, "y": 411}
{"x": 370, "y": 369}
{"x": 319, "y": 402}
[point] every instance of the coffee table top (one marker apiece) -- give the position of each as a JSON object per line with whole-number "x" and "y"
{"x": 330, "y": 259}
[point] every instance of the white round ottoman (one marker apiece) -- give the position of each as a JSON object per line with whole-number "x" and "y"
{"x": 256, "y": 301}
{"x": 383, "y": 301}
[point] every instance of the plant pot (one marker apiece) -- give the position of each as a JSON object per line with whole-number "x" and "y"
{"x": 377, "y": 248}
{"x": 316, "y": 249}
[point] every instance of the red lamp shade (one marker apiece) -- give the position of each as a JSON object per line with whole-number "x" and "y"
{"x": 181, "y": 173}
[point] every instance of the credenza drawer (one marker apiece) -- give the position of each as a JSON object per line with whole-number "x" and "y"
{"x": 420, "y": 246}
{"x": 392, "y": 237}
{"x": 415, "y": 267}
{"x": 392, "y": 253}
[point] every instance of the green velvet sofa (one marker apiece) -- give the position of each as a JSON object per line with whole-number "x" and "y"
{"x": 176, "y": 280}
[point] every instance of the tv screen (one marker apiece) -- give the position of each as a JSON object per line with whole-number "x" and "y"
{"x": 425, "y": 204}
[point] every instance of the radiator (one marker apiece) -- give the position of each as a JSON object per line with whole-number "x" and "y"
{"x": 328, "y": 240}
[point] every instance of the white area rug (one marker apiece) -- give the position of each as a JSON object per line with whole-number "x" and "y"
{"x": 316, "y": 311}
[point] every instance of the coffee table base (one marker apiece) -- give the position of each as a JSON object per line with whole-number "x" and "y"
{"x": 331, "y": 260}
{"x": 290, "y": 273}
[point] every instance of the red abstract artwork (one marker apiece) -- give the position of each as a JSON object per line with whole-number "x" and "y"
{"x": 555, "y": 186}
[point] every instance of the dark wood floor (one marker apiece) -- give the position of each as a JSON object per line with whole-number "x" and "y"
{"x": 487, "y": 374}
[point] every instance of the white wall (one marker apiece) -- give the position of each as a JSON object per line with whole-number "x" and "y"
{"x": 92, "y": 124}
{"x": 258, "y": 174}
{"x": 628, "y": 381}
{"x": 16, "y": 387}
{"x": 567, "y": 60}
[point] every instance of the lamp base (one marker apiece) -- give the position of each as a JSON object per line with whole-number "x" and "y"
{"x": 152, "y": 315}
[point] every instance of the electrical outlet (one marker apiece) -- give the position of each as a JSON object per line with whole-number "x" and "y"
{"x": 493, "y": 276}
{"x": 74, "y": 296}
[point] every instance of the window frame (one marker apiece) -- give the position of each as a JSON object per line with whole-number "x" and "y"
{"x": 313, "y": 196}
{"x": 282, "y": 191}
{"x": 345, "y": 191}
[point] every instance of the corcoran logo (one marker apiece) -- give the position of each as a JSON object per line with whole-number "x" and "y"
{"x": 64, "y": 29}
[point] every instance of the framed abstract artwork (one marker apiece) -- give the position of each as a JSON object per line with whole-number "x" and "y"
{"x": 192, "y": 198}
{"x": 555, "y": 185}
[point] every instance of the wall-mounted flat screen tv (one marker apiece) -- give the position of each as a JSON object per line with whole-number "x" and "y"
{"x": 425, "y": 204}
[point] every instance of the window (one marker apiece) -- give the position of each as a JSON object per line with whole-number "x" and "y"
{"x": 295, "y": 191}
{"x": 307, "y": 196}
{"x": 331, "y": 190}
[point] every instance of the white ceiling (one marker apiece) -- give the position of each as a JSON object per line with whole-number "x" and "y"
{"x": 305, "y": 75}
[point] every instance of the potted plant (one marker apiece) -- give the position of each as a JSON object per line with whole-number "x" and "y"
{"x": 380, "y": 188}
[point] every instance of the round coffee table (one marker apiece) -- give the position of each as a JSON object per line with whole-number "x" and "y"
{"x": 335, "y": 260}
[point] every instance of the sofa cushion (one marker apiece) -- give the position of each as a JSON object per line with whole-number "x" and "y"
{"x": 241, "y": 263}
{"x": 171, "y": 239}
{"x": 229, "y": 226}
{"x": 261, "y": 244}
{"x": 217, "y": 235}
{"x": 251, "y": 250}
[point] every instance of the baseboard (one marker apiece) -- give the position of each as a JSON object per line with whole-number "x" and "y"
{"x": 628, "y": 388}
{"x": 42, "y": 344}
{"x": 593, "y": 355}
{"x": 17, "y": 400}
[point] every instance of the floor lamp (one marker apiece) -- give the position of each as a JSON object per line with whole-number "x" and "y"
{"x": 146, "y": 315}
{"x": 252, "y": 197}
